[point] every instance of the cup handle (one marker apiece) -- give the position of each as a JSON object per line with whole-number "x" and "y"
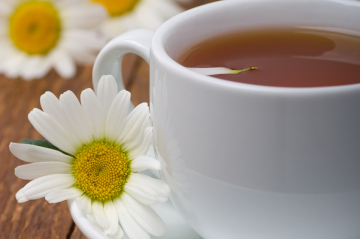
{"x": 109, "y": 60}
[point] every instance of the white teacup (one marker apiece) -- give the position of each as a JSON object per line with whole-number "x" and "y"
{"x": 249, "y": 161}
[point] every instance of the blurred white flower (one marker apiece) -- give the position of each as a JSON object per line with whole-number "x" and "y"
{"x": 36, "y": 35}
{"x": 126, "y": 15}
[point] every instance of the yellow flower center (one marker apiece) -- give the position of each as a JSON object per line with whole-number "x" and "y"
{"x": 101, "y": 170}
{"x": 35, "y": 27}
{"x": 118, "y": 7}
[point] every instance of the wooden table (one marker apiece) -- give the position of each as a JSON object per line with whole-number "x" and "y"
{"x": 37, "y": 218}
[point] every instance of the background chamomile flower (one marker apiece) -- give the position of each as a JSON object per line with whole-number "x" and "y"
{"x": 93, "y": 154}
{"x": 37, "y": 35}
{"x": 126, "y": 15}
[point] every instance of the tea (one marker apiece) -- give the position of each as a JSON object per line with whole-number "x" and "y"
{"x": 287, "y": 57}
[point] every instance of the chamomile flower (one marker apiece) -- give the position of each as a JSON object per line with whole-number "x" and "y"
{"x": 126, "y": 15}
{"x": 94, "y": 153}
{"x": 37, "y": 35}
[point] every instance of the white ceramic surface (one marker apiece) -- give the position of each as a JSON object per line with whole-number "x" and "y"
{"x": 247, "y": 161}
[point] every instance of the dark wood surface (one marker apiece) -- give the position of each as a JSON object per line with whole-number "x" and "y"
{"x": 37, "y": 218}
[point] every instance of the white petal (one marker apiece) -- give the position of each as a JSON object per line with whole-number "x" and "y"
{"x": 219, "y": 70}
{"x": 43, "y": 67}
{"x": 148, "y": 19}
{"x": 40, "y": 187}
{"x": 63, "y": 64}
{"x": 29, "y": 68}
{"x": 92, "y": 219}
{"x": 80, "y": 55}
{"x": 144, "y": 215}
{"x": 162, "y": 199}
{"x": 35, "y": 67}
{"x": 20, "y": 196}
{"x": 82, "y": 40}
{"x": 3, "y": 28}
{"x": 84, "y": 204}
{"x": 110, "y": 212}
{"x": 130, "y": 226}
{"x": 60, "y": 195}
{"x": 83, "y": 45}
{"x": 93, "y": 113}
{"x": 33, "y": 153}
{"x": 145, "y": 162}
{"x": 160, "y": 187}
{"x": 40, "y": 169}
{"x": 68, "y": 3}
{"x": 119, "y": 234}
{"x": 12, "y": 65}
{"x": 5, "y": 8}
{"x": 7, "y": 48}
{"x": 117, "y": 115}
{"x": 142, "y": 193}
{"x": 145, "y": 144}
{"x": 136, "y": 135}
{"x": 83, "y": 16}
{"x": 133, "y": 124}
{"x": 74, "y": 114}
{"x": 51, "y": 105}
{"x": 168, "y": 8}
{"x": 115, "y": 26}
{"x": 211, "y": 70}
{"x": 99, "y": 214}
{"x": 51, "y": 130}
{"x": 106, "y": 92}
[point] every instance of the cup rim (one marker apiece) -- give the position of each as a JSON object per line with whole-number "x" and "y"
{"x": 158, "y": 49}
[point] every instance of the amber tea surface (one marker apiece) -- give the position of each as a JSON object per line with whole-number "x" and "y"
{"x": 286, "y": 57}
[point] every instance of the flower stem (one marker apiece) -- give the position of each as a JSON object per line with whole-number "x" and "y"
{"x": 246, "y": 69}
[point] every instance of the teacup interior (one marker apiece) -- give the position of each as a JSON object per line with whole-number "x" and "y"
{"x": 194, "y": 26}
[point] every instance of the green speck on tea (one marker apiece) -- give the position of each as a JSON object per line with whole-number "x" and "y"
{"x": 246, "y": 69}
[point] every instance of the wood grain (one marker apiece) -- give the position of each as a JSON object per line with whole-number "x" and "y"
{"x": 37, "y": 218}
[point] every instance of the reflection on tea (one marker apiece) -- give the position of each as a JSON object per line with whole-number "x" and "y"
{"x": 287, "y": 57}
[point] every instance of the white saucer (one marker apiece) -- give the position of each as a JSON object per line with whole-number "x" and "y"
{"x": 176, "y": 227}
